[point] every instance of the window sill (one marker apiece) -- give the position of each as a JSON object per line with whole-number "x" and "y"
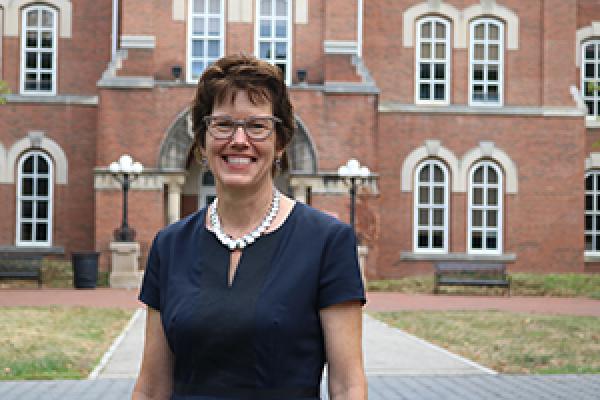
{"x": 411, "y": 256}
{"x": 592, "y": 123}
{"x": 591, "y": 258}
{"x": 33, "y": 250}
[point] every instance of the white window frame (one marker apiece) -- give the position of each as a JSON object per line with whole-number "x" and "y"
{"x": 49, "y": 198}
{"x": 432, "y": 60}
{"x": 486, "y": 61}
{"x": 595, "y": 97}
{"x": 204, "y": 190}
{"x": 272, "y": 39}
{"x": 206, "y": 37}
{"x": 594, "y": 212}
{"x": 485, "y": 207}
{"x": 54, "y": 49}
{"x": 432, "y": 163}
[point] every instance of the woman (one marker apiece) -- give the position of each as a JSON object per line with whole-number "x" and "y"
{"x": 247, "y": 298}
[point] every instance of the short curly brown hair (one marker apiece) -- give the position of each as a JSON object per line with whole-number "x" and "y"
{"x": 262, "y": 82}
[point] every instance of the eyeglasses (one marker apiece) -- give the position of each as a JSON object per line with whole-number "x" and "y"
{"x": 256, "y": 128}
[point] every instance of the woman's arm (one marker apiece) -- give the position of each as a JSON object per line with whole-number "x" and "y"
{"x": 342, "y": 330}
{"x": 155, "y": 381}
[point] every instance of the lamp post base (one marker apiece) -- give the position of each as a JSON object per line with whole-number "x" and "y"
{"x": 124, "y": 234}
{"x": 124, "y": 272}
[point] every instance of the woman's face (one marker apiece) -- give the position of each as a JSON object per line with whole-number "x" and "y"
{"x": 238, "y": 161}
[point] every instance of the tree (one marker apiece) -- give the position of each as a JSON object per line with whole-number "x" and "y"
{"x": 3, "y": 91}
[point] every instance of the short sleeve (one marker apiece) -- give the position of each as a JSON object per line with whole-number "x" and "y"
{"x": 340, "y": 279}
{"x": 150, "y": 291}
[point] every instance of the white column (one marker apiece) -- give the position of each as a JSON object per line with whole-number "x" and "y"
{"x": 174, "y": 198}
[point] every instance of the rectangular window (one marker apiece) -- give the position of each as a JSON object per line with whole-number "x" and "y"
{"x": 486, "y": 62}
{"x": 273, "y": 34}
{"x": 433, "y": 61}
{"x": 590, "y": 77}
{"x": 38, "y": 51}
{"x": 206, "y": 41}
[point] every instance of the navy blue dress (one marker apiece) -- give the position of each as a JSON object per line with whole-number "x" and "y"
{"x": 261, "y": 337}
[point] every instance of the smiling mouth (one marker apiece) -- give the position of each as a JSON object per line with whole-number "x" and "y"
{"x": 238, "y": 160}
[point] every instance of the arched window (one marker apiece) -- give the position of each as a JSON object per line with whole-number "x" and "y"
{"x": 486, "y": 62}
{"x": 431, "y": 207}
{"x": 38, "y": 50}
{"x": 206, "y": 37}
{"x": 590, "y": 77}
{"x": 485, "y": 209}
{"x": 274, "y": 34}
{"x": 592, "y": 212}
{"x": 34, "y": 200}
{"x": 433, "y": 61}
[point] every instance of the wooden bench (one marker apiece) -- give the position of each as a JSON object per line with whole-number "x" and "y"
{"x": 471, "y": 274}
{"x": 21, "y": 266}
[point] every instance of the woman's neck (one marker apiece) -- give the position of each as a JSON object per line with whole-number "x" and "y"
{"x": 240, "y": 211}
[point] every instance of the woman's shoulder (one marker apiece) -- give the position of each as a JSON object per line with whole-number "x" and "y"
{"x": 318, "y": 221}
{"x": 182, "y": 228}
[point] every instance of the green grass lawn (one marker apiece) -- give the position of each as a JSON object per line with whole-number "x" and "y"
{"x": 55, "y": 342}
{"x": 509, "y": 342}
{"x": 563, "y": 285}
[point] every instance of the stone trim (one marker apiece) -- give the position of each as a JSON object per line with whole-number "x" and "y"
{"x": 138, "y": 41}
{"x": 392, "y": 107}
{"x": 489, "y": 151}
{"x": 126, "y": 82}
{"x": 3, "y": 167}
{"x": 431, "y": 149}
{"x": 411, "y": 256}
{"x": 583, "y": 34}
{"x": 592, "y": 123}
{"x": 60, "y": 99}
{"x": 460, "y": 20}
{"x": 301, "y": 12}
{"x": 239, "y": 11}
{"x": 12, "y": 15}
{"x": 330, "y": 183}
{"x": 150, "y": 179}
{"x": 341, "y": 47}
{"x": 33, "y": 249}
{"x": 593, "y": 161}
{"x": 350, "y": 87}
{"x": 36, "y": 140}
{"x": 178, "y": 10}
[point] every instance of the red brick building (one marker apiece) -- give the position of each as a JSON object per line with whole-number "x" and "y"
{"x": 478, "y": 119}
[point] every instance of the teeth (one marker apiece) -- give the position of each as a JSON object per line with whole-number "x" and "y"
{"x": 238, "y": 160}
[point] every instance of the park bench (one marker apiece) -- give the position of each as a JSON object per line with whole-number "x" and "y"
{"x": 471, "y": 274}
{"x": 21, "y": 266}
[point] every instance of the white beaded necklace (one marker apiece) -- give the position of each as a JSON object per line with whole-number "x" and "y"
{"x": 250, "y": 237}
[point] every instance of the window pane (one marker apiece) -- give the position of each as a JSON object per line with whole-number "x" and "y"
{"x": 477, "y": 218}
{"x": 197, "y": 68}
{"x": 265, "y": 28}
{"x": 423, "y": 239}
{"x": 197, "y": 48}
{"x": 27, "y": 209}
{"x": 46, "y": 40}
{"x": 214, "y": 26}
{"x": 47, "y": 60}
{"x": 597, "y": 242}
{"x": 280, "y": 51}
{"x": 214, "y": 6}
{"x": 47, "y": 19}
{"x": 492, "y": 199}
{"x": 424, "y": 195}
{"x": 42, "y": 187}
{"x": 438, "y": 217}
{"x": 440, "y": 51}
{"x": 438, "y": 174}
{"x": 438, "y": 195}
{"x": 492, "y": 218}
{"x": 213, "y": 48}
{"x": 589, "y": 52}
{"x": 46, "y": 82}
{"x": 438, "y": 239}
{"x": 589, "y": 182}
{"x": 588, "y": 242}
{"x": 597, "y": 203}
{"x": 27, "y": 187}
{"x": 426, "y": 30}
{"x": 478, "y": 92}
{"x": 493, "y": 52}
{"x": 30, "y": 60}
{"x": 493, "y": 93}
{"x": 42, "y": 209}
{"x": 479, "y": 52}
{"x": 423, "y": 216}
{"x": 590, "y": 107}
{"x": 478, "y": 175}
{"x": 425, "y": 50}
{"x": 440, "y": 30}
{"x": 265, "y": 50}
{"x": 32, "y": 18}
{"x": 32, "y": 38}
{"x": 42, "y": 165}
{"x": 492, "y": 175}
{"x": 589, "y": 70}
{"x": 480, "y": 31}
{"x": 283, "y": 69}
{"x": 265, "y": 7}
{"x": 26, "y": 231}
{"x": 589, "y": 203}
{"x": 476, "y": 240}
{"x": 28, "y": 165}
{"x": 494, "y": 32}
{"x": 491, "y": 241}
{"x": 199, "y": 6}
{"x": 424, "y": 91}
{"x": 492, "y": 72}
{"x": 281, "y": 29}
{"x": 589, "y": 222}
{"x": 425, "y": 71}
{"x": 478, "y": 196}
{"x": 41, "y": 232}
{"x": 281, "y": 8}
{"x": 198, "y": 28}
{"x": 597, "y": 219}
{"x": 30, "y": 81}
{"x": 439, "y": 93}
{"x": 478, "y": 72}
{"x": 424, "y": 174}
{"x": 440, "y": 71}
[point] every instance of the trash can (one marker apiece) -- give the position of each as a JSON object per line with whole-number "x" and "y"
{"x": 85, "y": 269}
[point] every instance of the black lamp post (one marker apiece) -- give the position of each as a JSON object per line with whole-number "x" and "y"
{"x": 353, "y": 171}
{"x": 125, "y": 172}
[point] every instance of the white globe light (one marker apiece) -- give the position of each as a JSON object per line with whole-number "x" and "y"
{"x": 353, "y": 166}
{"x": 343, "y": 170}
{"x": 114, "y": 168}
{"x": 364, "y": 172}
{"x": 137, "y": 167}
